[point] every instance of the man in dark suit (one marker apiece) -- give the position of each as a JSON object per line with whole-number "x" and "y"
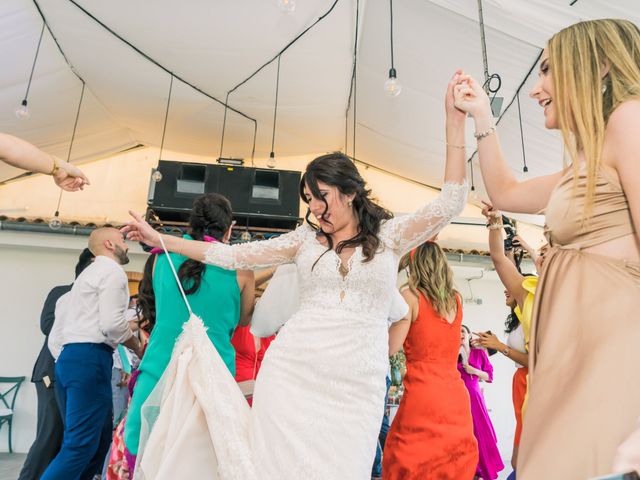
{"x": 50, "y": 429}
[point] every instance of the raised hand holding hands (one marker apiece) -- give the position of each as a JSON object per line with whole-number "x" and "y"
{"x": 470, "y": 98}
{"x": 453, "y": 113}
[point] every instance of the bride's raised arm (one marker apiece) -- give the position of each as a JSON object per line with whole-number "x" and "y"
{"x": 242, "y": 256}
{"x": 406, "y": 232}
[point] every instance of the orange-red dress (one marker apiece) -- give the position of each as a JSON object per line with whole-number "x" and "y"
{"x": 248, "y": 359}
{"x": 431, "y": 436}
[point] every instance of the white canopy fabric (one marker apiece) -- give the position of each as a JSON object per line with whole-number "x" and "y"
{"x": 216, "y": 44}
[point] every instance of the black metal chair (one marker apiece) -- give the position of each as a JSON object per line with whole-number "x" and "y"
{"x": 8, "y": 401}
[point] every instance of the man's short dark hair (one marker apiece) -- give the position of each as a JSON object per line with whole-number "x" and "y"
{"x": 85, "y": 259}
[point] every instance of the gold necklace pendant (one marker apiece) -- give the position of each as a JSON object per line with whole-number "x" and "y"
{"x": 343, "y": 269}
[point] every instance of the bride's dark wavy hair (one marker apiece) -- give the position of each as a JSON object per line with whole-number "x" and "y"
{"x": 211, "y": 215}
{"x": 337, "y": 170}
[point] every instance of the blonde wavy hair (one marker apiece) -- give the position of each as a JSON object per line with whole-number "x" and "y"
{"x": 430, "y": 274}
{"x": 587, "y": 58}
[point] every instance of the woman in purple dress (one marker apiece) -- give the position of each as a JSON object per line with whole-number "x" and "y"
{"x": 473, "y": 365}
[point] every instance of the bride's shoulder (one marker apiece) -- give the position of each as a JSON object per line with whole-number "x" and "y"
{"x": 388, "y": 224}
{"x": 304, "y": 232}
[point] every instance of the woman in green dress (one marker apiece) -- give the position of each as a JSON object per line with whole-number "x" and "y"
{"x": 222, "y": 298}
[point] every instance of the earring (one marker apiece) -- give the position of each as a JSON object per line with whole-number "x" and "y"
{"x": 604, "y": 88}
{"x": 350, "y": 202}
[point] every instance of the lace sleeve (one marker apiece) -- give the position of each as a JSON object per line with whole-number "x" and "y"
{"x": 408, "y": 231}
{"x": 259, "y": 254}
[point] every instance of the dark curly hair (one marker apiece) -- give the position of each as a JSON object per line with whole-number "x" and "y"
{"x": 512, "y": 321}
{"x": 211, "y": 215}
{"x": 337, "y": 170}
{"x": 146, "y": 307}
{"x": 84, "y": 260}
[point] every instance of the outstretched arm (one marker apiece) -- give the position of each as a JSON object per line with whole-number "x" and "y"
{"x": 404, "y": 233}
{"x": 489, "y": 340}
{"x": 509, "y": 275}
{"x": 242, "y": 256}
{"x": 505, "y": 191}
{"x": 408, "y": 231}
{"x": 533, "y": 255}
{"x": 21, "y": 154}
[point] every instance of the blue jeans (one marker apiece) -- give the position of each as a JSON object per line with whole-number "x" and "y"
{"x": 382, "y": 437}
{"x": 83, "y": 386}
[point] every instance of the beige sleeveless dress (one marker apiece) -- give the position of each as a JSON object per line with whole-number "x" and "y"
{"x": 584, "y": 371}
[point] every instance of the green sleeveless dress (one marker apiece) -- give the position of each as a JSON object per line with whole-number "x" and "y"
{"x": 217, "y": 303}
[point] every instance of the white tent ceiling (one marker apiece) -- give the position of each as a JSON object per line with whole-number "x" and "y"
{"x": 214, "y": 45}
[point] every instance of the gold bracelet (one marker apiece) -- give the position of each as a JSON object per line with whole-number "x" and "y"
{"x": 55, "y": 168}
{"x": 486, "y": 133}
{"x": 461, "y": 147}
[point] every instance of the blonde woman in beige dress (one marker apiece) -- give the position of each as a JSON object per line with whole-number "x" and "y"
{"x": 584, "y": 386}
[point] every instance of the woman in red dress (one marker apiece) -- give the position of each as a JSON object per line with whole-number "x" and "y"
{"x": 250, "y": 351}
{"x": 431, "y": 436}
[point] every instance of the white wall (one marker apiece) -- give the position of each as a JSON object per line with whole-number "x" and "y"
{"x": 30, "y": 265}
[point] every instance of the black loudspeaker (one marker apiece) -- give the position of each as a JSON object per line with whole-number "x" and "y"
{"x": 260, "y": 198}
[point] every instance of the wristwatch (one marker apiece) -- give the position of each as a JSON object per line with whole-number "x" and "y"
{"x": 506, "y": 351}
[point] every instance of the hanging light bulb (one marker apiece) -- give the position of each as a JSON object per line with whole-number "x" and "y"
{"x": 392, "y": 86}
{"x": 245, "y": 236}
{"x": 286, "y": 6}
{"x": 271, "y": 163}
{"x": 55, "y": 223}
{"x": 156, "y": 176}
{"x": 22, "y": 111}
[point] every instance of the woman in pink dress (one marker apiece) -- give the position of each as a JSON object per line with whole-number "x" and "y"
{"x": 473, "y": 365}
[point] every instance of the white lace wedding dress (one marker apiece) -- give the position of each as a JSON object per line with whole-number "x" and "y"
{"x": 318, "y": 400}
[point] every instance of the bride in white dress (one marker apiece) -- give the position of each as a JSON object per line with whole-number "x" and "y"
{"x": 317, "y": 401}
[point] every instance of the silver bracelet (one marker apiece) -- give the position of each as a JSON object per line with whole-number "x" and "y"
{"x": 486, "y": 133}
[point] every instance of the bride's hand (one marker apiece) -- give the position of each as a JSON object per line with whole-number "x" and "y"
{"x": 470, "y": 97}
{"x": 138, "y": 230}
{"x": 454, "y": 115}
